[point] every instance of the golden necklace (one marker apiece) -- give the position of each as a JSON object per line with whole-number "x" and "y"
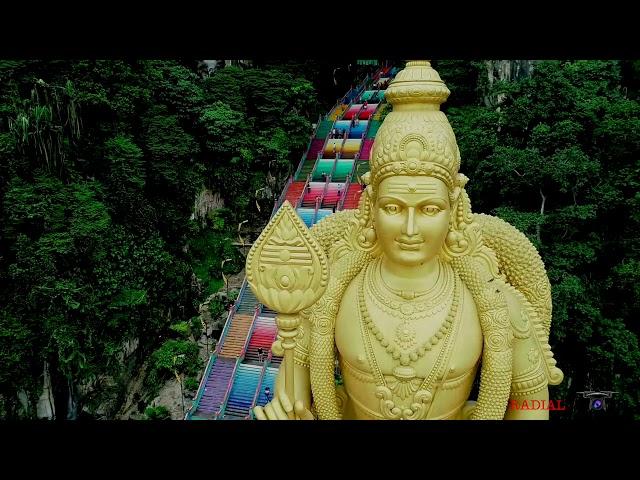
{"x": 407, "y": 294}
{"x": 405, "y": 329}
{"x": 410, "y": 311}
{"x": 441, "y": 293}
{"x": 404, "y": 382}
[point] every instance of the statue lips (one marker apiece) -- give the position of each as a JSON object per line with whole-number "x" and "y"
{"x": 410, "y": 244}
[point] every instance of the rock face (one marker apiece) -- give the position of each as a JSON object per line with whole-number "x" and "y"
{"x": 45, "y": 408}
{"x": 505, "y": 70}
{"x": 205, "y": 202}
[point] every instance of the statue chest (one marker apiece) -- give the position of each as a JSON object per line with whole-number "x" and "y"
{"x": 382, "y": 353}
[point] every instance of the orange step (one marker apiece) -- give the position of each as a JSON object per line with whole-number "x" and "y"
{"x": 236, "y": 336}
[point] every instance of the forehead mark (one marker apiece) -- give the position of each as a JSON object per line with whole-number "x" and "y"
{"x": 412, "y": 187}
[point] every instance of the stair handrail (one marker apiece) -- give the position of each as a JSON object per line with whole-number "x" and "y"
{"x": 345, "y": 189}
{"x": 256, "y": 313}
{"x": 266, "y": 364}
{"x": 227, "y": 326}
{"x": 254, "y": 400}
{"x": 324, "y": 190}
{"x": 324, "y": 147}
{"x": 240, "y": 358}
{"x": 304, "y": 189}
{"x": 220, "y": 412}
{"x": 332, "y": 172}
{"x": 201, "y": 386}
{"x": 232, "y": 311}
{"x": 306, "y": 152}
{"x": 315, "y": 210}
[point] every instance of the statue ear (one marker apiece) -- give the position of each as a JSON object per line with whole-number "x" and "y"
{"x": 460, "y": 181}
{"x": 370, "y": 195}
{"x": 454, "y": 197}
{"x": 463, "y": 237}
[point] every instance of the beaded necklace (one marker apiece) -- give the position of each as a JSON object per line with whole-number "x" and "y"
{"x": 404, "y": 382}
{"x": 411, "y": 311}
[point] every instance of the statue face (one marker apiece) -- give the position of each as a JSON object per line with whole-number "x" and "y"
{"x": 411, "y": 216}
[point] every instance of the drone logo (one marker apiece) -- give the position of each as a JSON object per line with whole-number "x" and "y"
{"x": 597, "y": 400}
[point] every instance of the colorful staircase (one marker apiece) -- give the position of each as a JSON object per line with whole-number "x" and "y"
{"x": 323, "y": 129}
{"x": 236, "y": 377}
{"x": 214, "y": 389}
{"x": 307, "y": 215}
{"x": 342, "y": 170}
{"x": 236, "y": 336}
{"x": 269, "y": 381}
{"x": 314, "y": 191}
{"x": 365, "y": 153}
{"x": 294, "y": 192}
{"x": 373, "y": 128}
{"x": 323, "y": 168}
{"x": 352, "y": 197}
{"x": 337, "y": 112}
{"x": 247, "y": 301}
{"x": 244, "y": 388}
{"x": 263, "y": 335}
{"x": 332, "y": 195}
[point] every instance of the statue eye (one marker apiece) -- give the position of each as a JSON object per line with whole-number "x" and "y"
{"x": 392, "y": 209}
{"x": 430, "y": 210}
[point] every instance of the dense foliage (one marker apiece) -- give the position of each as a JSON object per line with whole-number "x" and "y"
{"x": 558, "y": 158}
{"x": 101, "y": 245}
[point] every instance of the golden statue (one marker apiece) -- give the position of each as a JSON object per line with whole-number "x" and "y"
{"x": 410, "y": 294}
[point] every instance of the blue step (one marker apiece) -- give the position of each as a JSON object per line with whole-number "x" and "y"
{"x": 243, "y": 390}
{"x": 268, "y": 381}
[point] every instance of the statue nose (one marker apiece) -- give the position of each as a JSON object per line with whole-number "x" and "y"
{"x": 410, "y": 227}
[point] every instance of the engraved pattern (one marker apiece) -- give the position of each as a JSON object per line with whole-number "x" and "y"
{"x": 496, "y": 372}
{"x": 286, "y": 268}
{"x": 489, "y": 256}
{"x": 520, "y": 262}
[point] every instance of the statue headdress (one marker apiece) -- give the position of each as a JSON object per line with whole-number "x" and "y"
{"x": 416, "y": 144}
{"x": 417, "y": 139}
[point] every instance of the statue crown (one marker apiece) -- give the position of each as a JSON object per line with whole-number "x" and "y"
{"x": 416, "y": 138}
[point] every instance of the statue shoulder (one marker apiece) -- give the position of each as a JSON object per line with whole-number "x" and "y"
{"x": 520, "y": 263}
{"x": 332, "y": 231}
{"x": 533, "y": 361}
{"x": 527, "y": 291}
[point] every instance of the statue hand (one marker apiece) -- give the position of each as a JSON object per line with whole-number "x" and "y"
{"x": 280, "y": 407}
{"x": 468, "y": 408}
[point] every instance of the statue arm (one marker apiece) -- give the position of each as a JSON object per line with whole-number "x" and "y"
{"x": 302, "y": 384}
{"x": 529, "y": 384}
{"x": 302, "y": 380}
{"x": 277, "y": 408}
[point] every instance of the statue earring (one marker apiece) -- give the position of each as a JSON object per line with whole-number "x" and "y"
{"x": 456, "y": 241}
{"x": 368, "y": 240}
{"x": 370, "y": 235}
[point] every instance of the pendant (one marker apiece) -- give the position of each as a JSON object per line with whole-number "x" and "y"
{"x": 406, "y": 335}
{"x": 417, "y": 410}
{"x": 404, "y": 382}
{"x": 407, "y": 309}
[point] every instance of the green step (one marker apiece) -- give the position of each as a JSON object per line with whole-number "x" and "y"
{"x": 324, "y": 128}
{"x": 307, "y": 166}
{"x": 343, "y": 168}
{"x": 374, "y": 125}
{"x": 366, "y": 95}
{"x": 323, "y": 165}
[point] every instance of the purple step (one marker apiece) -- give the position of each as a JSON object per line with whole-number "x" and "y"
{"x": 215, "y": 386}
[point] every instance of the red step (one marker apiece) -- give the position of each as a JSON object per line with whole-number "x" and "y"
{"x": 353, "y": 196}
{"x": 294, "y": 192}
